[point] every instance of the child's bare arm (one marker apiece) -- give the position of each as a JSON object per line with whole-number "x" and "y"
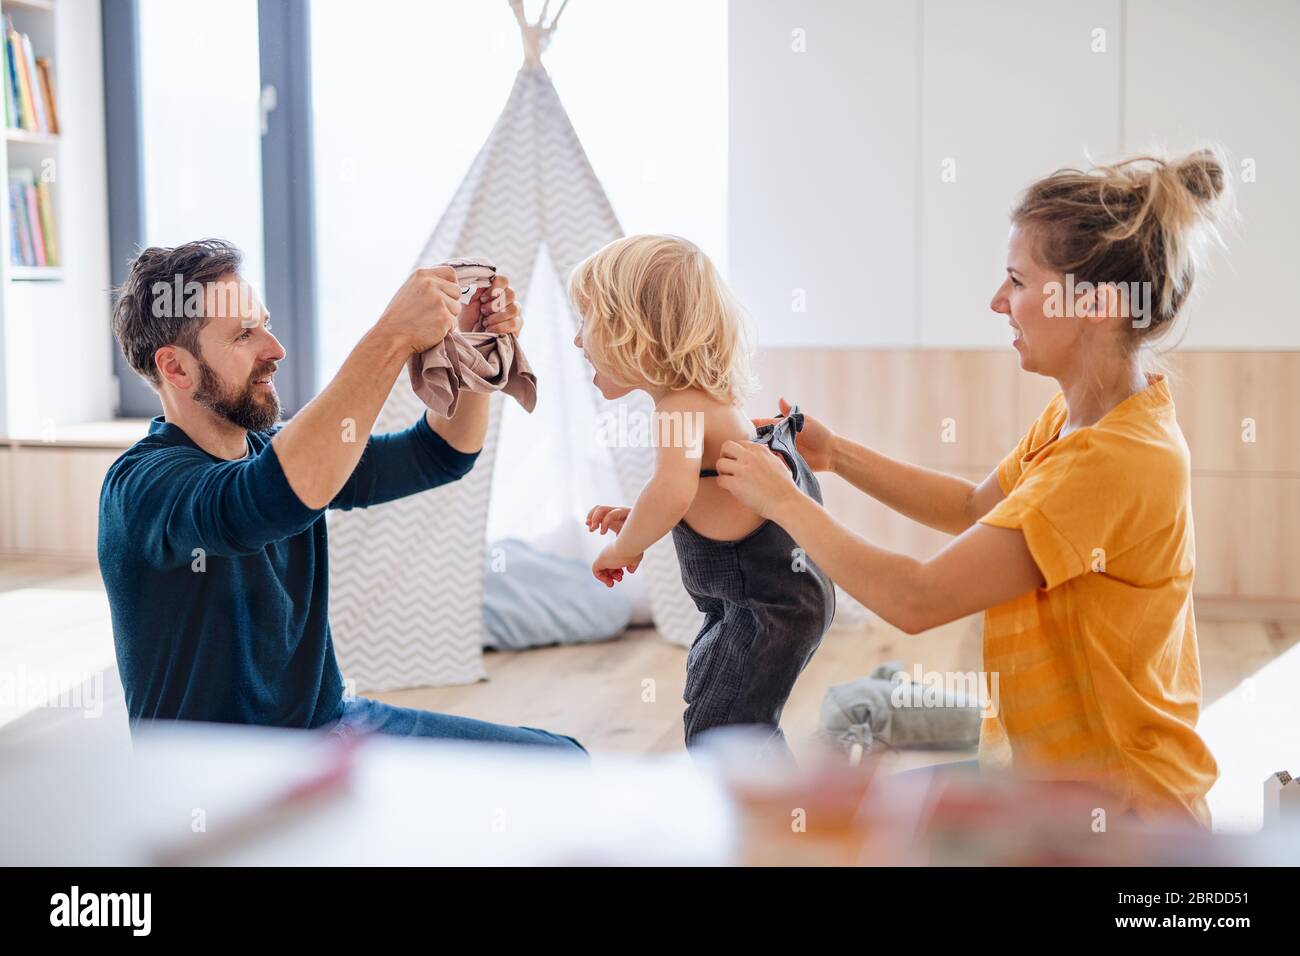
{"x": 662, "y": 503}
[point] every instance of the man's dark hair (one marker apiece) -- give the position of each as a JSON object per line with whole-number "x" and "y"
{"x": 150, "y": 313}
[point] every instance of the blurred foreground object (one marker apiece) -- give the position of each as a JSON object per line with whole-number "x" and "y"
{"x": 831, "y": 812}
{"x": 226, "y": 795}
{"x": 1281, "y": 800}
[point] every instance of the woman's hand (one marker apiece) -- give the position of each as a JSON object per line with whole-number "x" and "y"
{"x": 495, "y": 306}
{"x": 605, "y": 518}
{"x": 757, "y": 476}
{"x": 816, "y": 442}
{"x": 609, "y": 564}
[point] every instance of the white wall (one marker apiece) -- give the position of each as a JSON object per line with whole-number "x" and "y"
{"x": 988, "y": 115}
{"x": 875, "y": 170}
{"x": 1229, "y": 71}
{"x": 823, "y": 170}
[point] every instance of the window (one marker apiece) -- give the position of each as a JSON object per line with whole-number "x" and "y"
{"x": 200, "y": 131}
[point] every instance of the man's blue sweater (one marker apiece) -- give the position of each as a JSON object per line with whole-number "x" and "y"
{"x": 218, "y": 575}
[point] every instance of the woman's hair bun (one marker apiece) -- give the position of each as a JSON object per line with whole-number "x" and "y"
{"x": 1141, "y": 219}
{"x": 1201, "y": 173}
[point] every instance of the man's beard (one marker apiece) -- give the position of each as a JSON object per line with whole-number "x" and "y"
{"x": 240, "y": 407}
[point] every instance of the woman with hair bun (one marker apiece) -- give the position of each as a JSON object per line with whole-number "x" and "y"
{"x": 1079, "y": 545}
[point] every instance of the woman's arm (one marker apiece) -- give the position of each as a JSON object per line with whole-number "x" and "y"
{"x": 937, "y": 500}
{"x": 943, "y": 502}
{"x": 983, "y": 567}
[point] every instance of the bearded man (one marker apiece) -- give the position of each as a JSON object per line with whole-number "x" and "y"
{"x": 212, "y": 536}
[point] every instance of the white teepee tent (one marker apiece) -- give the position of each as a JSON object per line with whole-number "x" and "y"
{"x": 407, "y": 577}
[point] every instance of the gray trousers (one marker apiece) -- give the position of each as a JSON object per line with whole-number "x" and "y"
{"x": 766, "y": 607}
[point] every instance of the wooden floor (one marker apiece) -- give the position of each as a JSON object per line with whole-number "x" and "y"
{"x": 624, "y": 696}
{"x": 53, "y": 620}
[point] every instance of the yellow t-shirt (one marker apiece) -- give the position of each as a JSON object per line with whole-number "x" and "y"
{"x": 1097, "y": 673}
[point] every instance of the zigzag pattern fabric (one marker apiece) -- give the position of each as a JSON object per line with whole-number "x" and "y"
{"x": 530, "y": 185}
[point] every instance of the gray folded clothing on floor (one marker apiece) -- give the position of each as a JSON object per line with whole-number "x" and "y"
{"x": 882, "y": 708}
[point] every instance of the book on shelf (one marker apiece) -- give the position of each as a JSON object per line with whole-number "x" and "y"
{"x": 45, "y": 70}
{"x": 38, "y": 99}
{"x": 46, "y": 206}
{"x": 20, "y": 241}
{"x": 6, "y": 76}
{"x": 32, "y": 236}
{"x": 29, "y": 85}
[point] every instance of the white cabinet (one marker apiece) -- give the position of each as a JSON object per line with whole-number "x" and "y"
{"x": 822, "y": 168}
{"x": 1228, "y": 73}
{"x": 1010, "y": 92}
{"x": 875, "y": 170}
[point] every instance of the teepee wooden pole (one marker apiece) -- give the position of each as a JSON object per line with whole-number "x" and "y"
{"x": 536, "y": 35}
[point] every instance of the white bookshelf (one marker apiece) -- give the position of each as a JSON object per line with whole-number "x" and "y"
{"x": 40, "y": 5}
{"x": 46, "y": 311}
{"x": 35, "y": 273}
{"x": 25, "y": 149}
{"x": 27, "y": 136}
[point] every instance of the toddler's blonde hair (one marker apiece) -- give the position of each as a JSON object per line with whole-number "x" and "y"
{"x": 657, "y": 311}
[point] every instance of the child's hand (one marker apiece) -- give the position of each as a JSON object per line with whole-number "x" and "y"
{"x": 607, "y": 518}
{"x": 609, "y": 564}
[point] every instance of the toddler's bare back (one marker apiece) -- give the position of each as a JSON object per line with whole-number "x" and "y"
{"x": 715, "y": 513}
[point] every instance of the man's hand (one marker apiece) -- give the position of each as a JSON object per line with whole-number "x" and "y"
{"x": 607, "y": 518}
{"x": 494, "y": 310}
{"x": 424, "y": 309}
{"x": 495, "y": 306}
{"x": 816, "y": 442}
{"x": 757, "y": 476}
{"x": 315, "y": 457}
{"x": 609, "y": 564}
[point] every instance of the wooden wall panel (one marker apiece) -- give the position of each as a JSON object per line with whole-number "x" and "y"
{"x": 56, "y": 499}
{"x": 1247, "y": 536}
{"x": 899, "y": 404}
{"x": 6, "y": 500}
{"x": 1216, "y": 391}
